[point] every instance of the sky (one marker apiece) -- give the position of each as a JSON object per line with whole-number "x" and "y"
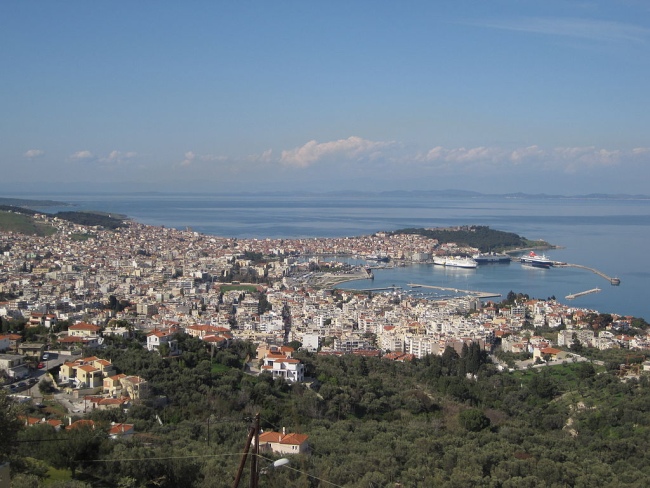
{"x": 500, "y": 96}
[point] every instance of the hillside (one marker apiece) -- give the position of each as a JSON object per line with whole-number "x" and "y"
{"x": 478, "y": 236}
{"x": 22, "y": 202}
{"x": 23, "y": 224}
{"x": 21, "y": 220}
{"x": 446, "y": 421}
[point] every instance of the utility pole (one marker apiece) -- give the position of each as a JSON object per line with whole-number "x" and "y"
{"x": 253, "y": 431}
{"x": 254, "y": 455}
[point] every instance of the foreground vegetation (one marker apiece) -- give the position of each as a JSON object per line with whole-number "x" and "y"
{"x": 451, "y": 420}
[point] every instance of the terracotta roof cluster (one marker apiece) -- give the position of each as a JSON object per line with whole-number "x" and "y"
{"x": 85, "y": 326}
{"x": 279, "y": 438}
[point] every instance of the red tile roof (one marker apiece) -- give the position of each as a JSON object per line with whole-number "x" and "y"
{"x": 278, "y": 438}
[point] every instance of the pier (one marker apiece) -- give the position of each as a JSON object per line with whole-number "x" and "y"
{"x": 582, "y": 293}
{"x": 386, "y": 288}
{"x": 613, "y": 281}
{"x": 478, "y": 294}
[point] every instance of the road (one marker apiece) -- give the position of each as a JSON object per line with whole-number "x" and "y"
{"x": 31, "y": 382}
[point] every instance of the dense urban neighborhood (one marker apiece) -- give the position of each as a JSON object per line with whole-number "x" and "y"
{"x": 116, "y": 330}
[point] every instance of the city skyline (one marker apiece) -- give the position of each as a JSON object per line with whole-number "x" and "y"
{"x": 255, "y": 96}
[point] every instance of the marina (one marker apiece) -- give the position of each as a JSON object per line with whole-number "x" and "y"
{"x": 386, "y": 288}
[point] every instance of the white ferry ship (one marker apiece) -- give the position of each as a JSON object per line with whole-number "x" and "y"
{"x": 536, "y": 261}
{"x": 455, "y": 262}
{"x": 491, "y": 257}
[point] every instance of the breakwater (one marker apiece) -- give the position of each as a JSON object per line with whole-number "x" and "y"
{"x": 582, "y": 293}
{"x": 613, "y": 281}
{"x": 479, "y": 294}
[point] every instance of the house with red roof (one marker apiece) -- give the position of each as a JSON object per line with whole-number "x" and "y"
{"x": 283, "y": 443}
{"x": 80, "y": 424}
{"x": 157, "y": 338}
{"x": 135, "y": 387}
{"x": 121, "y": 431}
{"x": 73, "y": 342}
{"x": 202, "y": 331}
{"x": 291, "y": 370}
{"x": 88, "y": 372}
{"x": 550, "y": 352}
{"x": 112, "y": 384}
{"x": 5, "y": 343}
{"x": 83, "y": 329}
{"x": 32, "y": 421}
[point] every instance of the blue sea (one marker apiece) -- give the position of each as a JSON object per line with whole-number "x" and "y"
{"x": 607, "y": 234}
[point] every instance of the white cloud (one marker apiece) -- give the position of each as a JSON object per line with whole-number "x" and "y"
{"x": 82, "y": 156}
{"x": 113, "y": 158}
{"x": 526, "y": 153}
{"x": 569, "y": 159}
{"x": 33, "y": 153}
{"x": 639, "y": 151}
{"x": 351, "y": 148}
{"x": 212, "y": 157}
{"x": 265, "y": 157}
{"x": 463, "y": 155}
{"x": 117, "y": 157}
{"x": 189, "y": 158}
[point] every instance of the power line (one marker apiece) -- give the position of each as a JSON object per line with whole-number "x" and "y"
{"x": 302, "y": 472}
{"x": 167, "y": 458}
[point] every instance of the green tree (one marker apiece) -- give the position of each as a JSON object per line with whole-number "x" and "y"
{"x": 81, "y": 446}
{"x": 473, "y": 420}
{"x": 576, "y": 345}
{"x": 9, "y": 426}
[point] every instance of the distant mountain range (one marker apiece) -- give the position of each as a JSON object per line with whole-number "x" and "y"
{"x": 537, "y": 196}
{"x": 455, "y": 194}
{"x": 22, "y": 202}
{"x": 450, "y": 193}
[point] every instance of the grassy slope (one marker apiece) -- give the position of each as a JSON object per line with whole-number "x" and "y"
{"x": 23, "y": 224}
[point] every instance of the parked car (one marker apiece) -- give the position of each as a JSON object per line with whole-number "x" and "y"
{"x": 41, "y": 365}
{"x": 46, "y": 356}
{"x": 22, "y": 384}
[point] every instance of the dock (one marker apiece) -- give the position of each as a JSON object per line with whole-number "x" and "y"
{"x": 478, "y": 294}
{"x": 582, "y": 293}
{"x": 386, "y": 288}
{"x": 613, "y": 281}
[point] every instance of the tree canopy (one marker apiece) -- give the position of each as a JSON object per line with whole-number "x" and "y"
{"x": 449, "y": 420}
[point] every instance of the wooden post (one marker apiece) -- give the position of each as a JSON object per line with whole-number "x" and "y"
{"x": 255, "y": 454}
{"x": 242, "y": 463}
